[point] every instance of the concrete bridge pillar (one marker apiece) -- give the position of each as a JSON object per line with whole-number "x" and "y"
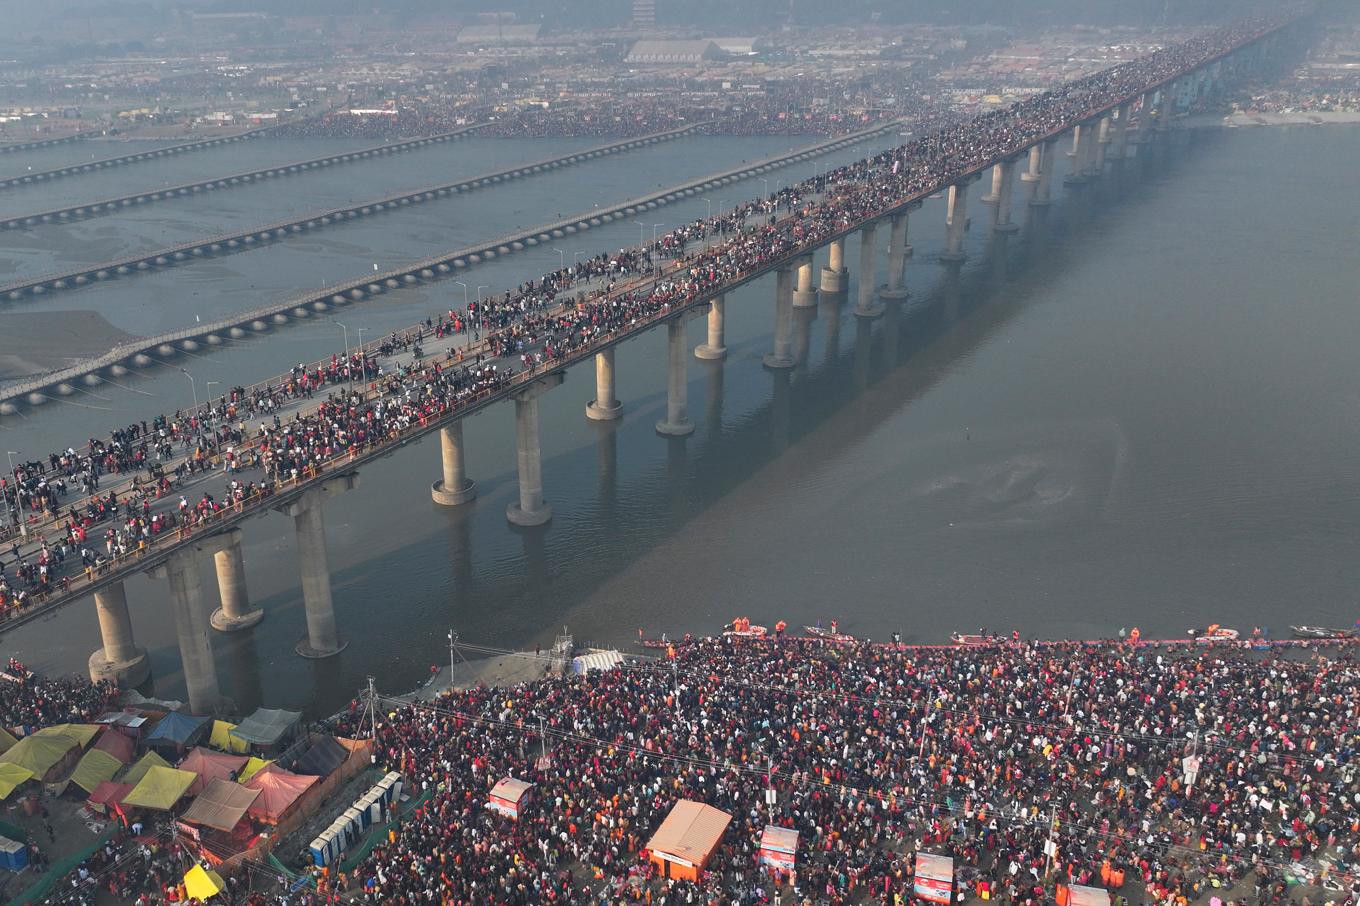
{"x": 805, "y": 293}
{"x": 191, "y": 629}
{"x": 1120, "y": 148}
{"x": 1166, "y": 107}
{"x": 956, "y": 219}
{"x": 530, "y": 510}
{"x": 235, "y": 612}
{"x": 119, "y": 660}
{"x": 1049, "y": 159}
{"x": 1102, "y": 143}
{"x": 605, "y": 406}
{"x": 716, "y": 347}
{"x": 677, "y": 422}
{"x": 834, "y": 274}
{"x": 454, "y": 487}
{"x": 867, "y": 306}
{"x": 1003, "y": 222}
{"x": 1146, "y": 105}
{"x": 1081, "y": 141}
{"x": 896, "y": 290}
{"x": 780, "y": 356}
{"x": 997, "y": 179}
{"x": 309, "y": 526}
{"x": 1035, "y": 164}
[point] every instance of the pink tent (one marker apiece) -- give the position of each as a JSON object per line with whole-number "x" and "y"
{"x": 279, "y": 789}
{"x": 116, "y": 744}
{"x": 210, "y": 766}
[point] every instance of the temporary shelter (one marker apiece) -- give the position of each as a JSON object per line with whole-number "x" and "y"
{"x": 324, "y": 756}
{"x": 108, "y": 796}
{"x": 160, "y": 789}
{"x": 934, "y": 878}
{"x": 221, "y": 805}
{"x": 509, "y": 795}
{"x": 7, "y": 740}
{"x": 12, "y": 776}
{"x": 178, "y": 730}
{"x": 116, "y": 744}
{"x": 46, "y": 757}
{"x": 221, "y": 738}
{"x": 1078, "y": 895}
{"x": 278, "y": 790}
{"x": 81, "y": 733}
{"x": 267, "y": 726}
{"x": 203, "y": 884}
{"x": 210, "y": 766}
{"x": 252, "y": 767}
{"x": 148, "y": 761}
{"x": 779, "y": 847}
{"x": 685, "y": 841}
{"x": 596, "y": 660}
{"x": 94, "y": 768}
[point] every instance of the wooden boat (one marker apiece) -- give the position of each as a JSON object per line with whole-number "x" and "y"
{"x": 743, "y": 628}
{"x": 826, "y": 635}
{"x": 1320, "y": 632}
{"x": 1216, "y": 633}
{"x": 973, "y": 640}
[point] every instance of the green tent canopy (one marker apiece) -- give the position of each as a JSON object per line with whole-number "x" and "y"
{"x": 39, "y": 754}
{"x": 135, "y": 773}
{"x": 161, "y": 788}
{"x": 93, "y": 769}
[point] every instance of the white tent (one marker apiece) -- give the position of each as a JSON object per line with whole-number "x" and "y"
{"x": 596, "y": 660}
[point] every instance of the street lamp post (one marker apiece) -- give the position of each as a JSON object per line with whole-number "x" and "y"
{"x": 476, "y": 331}
{"x": 453, "y": 639}
{"x": 349, "y": 369}
{"x": 23, "y": 517}
{"x": 709, "y": 202}
{"x": 193, "y": 387}
{"x": 561, "y": 259}
{"x": 359, "y": 348}
{"x": 766, "y": 182}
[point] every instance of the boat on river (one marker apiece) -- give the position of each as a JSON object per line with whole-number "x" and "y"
{"x": 1215, "y": 634}
{"x": 1320, "y": 632}
{"x": 829, "y": 635}
{"x": 665, "y": 642}
{"x": 743, "y": 628}
{"x": 974, "y": 640}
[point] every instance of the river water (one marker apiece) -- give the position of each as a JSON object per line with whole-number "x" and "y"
{"x": 1139, "y": 410}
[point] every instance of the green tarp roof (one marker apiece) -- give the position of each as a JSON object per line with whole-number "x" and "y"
{"x": 81, "y": 733}
{"x": 94, "y": 768}
{"x": 135, "y": 773}
{"x": 11, "y": 778}
{"x": 161, "y": 788}
{"x": 39, "y": 753}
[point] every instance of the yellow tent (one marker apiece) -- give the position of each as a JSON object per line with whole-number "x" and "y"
{"x": 7, "y": 740}
{"x": 135, "y": 773}
{"x": 222, "y": 740}
{"x": 202, "y": 884}
{"x": 81, "y": 733}
{"x": 161, "y": 788}
{"x": 39, "y": 754}
{"x": 96, "y": 767}
{"x": 11, "y": 778}
{"x": 252, "y": 767}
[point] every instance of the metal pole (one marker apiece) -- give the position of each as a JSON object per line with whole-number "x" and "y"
{"x": 23, "y": 515}
{"x": 561, "y": 259}
{"x": 349, "y": 368}
{"x": 452, "y": 637}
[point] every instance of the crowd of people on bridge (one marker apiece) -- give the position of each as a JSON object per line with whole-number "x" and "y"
{"x": 548, "y": 321}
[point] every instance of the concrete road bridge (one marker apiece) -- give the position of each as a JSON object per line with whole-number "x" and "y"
{"x": 1099, "y": 134}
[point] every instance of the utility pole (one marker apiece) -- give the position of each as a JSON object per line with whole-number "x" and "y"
{"x": 1050, "y": 847}
{"x": 453, "y": 639}
{"x": 372, "y": 711}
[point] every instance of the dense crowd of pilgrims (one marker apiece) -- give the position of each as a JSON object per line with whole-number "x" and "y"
{"x": 78, "y": 527}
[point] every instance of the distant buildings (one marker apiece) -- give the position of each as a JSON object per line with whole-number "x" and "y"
{"x": 682, "y": 53}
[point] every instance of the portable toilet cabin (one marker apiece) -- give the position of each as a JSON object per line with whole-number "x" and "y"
{"x": 508, "y": 796}
{"x": 779, "y": 848}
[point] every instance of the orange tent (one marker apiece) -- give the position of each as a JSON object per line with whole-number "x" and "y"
{"x": 685, "y": 841}
{"x": 279, "y": 789}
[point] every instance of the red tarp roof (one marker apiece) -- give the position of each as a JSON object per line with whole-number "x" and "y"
{"x": 116, "y": 744}
{"x": 210, "y": 766}
{"x": 279, "y": 789}
{"x": 109, "y": 793}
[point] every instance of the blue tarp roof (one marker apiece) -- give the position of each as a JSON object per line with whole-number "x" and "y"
{"x": 176, "y": 727}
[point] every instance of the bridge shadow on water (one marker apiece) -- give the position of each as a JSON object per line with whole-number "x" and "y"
{"x": 851, "y": 375}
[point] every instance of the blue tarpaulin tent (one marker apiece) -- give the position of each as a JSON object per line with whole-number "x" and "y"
{"x": 177, "y": 728}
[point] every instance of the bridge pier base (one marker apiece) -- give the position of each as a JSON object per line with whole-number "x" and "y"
{"x": 119, "y": 661}
{"x": 1081, "y": 139}
{"x": 780, "y": 356}
{"x": 956, "y": 218}
{"x": 677, "y": 422}
{"x": 530, "y": 510}
{"x": 896, "y": 289}
{"x": 1043, "y": 191}
{"x": 834, "y": 275}
{"x": 309, "y": 526}
{"x": 235, "y": 612}
{"x": 605, "y": 406}
{"x": 716, "y": 347}
{"x": 191, "y": 629}
{"x": 998, "y": 182}
{"x": 454, "y": 487}
{"x": 1098, "y": 150}
{"x": 804, "y": 293}
{"x": 867, "y": 305}
{"x": 1035, "y": 164}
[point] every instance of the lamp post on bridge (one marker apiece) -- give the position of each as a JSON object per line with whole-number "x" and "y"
{"x": 467, "y": 328}
{"x": 476, "y": 332}
{"x": 561, "y": 259}
{"x": 193, "y": 388}
{"x": 349, "y": 368}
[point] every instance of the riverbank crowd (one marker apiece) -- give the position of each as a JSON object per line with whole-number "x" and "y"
{"x": 80, "y": 526}
{"x": 1028, "y": 765}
